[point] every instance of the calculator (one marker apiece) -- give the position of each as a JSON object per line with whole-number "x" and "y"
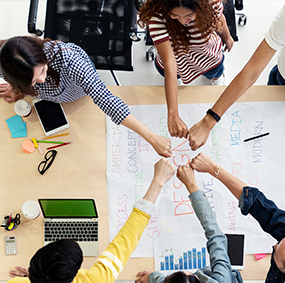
{"x": 10, "y": 245}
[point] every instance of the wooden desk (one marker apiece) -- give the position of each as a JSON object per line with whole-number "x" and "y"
{"x": 79, "y": 169}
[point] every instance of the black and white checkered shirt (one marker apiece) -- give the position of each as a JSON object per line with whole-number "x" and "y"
{"x": 78, "y": 77}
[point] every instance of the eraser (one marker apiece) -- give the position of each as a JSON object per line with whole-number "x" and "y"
{"x": 28, "y": 146}
{"x": 41, "y": 151}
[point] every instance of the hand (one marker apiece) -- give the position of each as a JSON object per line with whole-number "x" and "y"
{"x": 143, "y": 277}
{"x": 176, "y": 127}
{"x": 19, "y": 272}
{"x": 198, "y": 134}
{"x": 163, "y": 171}
{"x": 228, "y": 44}
{"x": 8, "y": 94}
{"x": 186, "y": 175}
{"x": 161, "y": 145}
{"x": 203, "y": 163}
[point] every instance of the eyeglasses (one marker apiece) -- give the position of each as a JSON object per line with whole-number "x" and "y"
{"x": 49, "y": 158}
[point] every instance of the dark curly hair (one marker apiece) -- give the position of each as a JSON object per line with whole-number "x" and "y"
{"x": 18, "y": 57}
{"x": 206, "y": 20}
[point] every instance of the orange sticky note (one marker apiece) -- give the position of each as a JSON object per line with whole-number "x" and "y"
{"x": 28, "y": 146}
{"x": 259, "y": 256}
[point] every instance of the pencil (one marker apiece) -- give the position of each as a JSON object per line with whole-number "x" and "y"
{"x": 65, "y": 143}
{"x": 58, "y": 142}
{"x": 256, "y": 137}
{"x": 55, "y": 136}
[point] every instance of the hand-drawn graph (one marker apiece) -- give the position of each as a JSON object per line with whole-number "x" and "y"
{"x": 191, "y": 259}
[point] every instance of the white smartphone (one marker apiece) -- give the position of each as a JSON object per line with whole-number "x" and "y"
{"x": 10, "y": 245}
{"x": 51, "y": 116}
{"x": 236, "y": 249}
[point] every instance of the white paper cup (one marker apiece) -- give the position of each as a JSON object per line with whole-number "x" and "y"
{"x": 31, "y": 209}
{"x": 22, "y": 108}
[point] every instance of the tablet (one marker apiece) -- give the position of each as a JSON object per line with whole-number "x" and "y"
{"x": 51, "y": 116}
{"x": 236, "y": 250}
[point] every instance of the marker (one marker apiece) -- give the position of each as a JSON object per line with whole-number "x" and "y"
{"x": 35, "y": 142}
{"x": 38, "y": 146}
{"x": 66, "y": 143}
{"x": 51, "y": 137}
{"x": 58, "y": 142}
{"x": 256, "y": 137}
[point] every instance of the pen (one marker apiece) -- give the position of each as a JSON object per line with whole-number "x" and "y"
{"x": 66, "y": 143}
{"x": 256, "y": 137}
{"x": 51, "y": 137}
{"x": 58, "y": 142}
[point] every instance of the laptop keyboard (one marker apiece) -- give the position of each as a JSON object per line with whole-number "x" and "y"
{"x": 85, "y": 231}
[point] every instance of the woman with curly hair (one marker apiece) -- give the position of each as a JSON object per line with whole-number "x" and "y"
{"x": 189, "y": 36}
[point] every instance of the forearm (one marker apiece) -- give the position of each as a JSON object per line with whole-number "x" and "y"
{"x": 153, "y": 191}
{"x": 234, "y": 184}
{"x": 135, "y": 125}
{"x": 245, "y": 79}
{"x": 224, "y": 31}
{"x": 171, "y": 90}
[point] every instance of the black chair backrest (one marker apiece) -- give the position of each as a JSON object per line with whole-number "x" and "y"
{"x": 100, "y": 27}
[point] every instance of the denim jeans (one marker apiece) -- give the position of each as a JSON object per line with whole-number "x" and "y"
{"x": 275, "y": 78}
{"x": 220, "y": 270}
{"x": 270, "y": 218}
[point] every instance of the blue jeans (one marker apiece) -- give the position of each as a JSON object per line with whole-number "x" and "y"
{"x": 216, "y": 72}
{"x": 211, "y": 74}
{"x": 275, "y": 78}
{"x": 270, "y": 218}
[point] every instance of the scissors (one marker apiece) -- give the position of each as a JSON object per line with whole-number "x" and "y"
{"x": 17, "y": 219}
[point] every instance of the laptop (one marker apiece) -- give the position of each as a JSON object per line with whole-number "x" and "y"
{"x": 75, "y": 219}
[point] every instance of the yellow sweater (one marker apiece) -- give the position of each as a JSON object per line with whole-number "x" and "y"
{"x": 111, "y": 262}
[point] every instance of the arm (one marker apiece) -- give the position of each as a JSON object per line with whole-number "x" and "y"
{"x": 217, "y": 241}
{"x": 113, "y": 259}
{"x": 150, "y": 277}
{"x": 199, "y": 133}
{"x": 225, "y": 34}
{"x": 8, "y": 94}
{"x": 161, "y": 145}
{"x": 251, "y": 200}
{"x": 176, "y": 126}
{"x": 113, "y": 106}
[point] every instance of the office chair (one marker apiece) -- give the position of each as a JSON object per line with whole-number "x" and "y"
{"x": 229, "y": 12}
{"x": 105, "y": 29}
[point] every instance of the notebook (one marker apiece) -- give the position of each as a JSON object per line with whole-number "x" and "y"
{"x": 74, "y": 219}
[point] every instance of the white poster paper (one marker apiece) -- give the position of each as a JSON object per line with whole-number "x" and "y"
{"x": 258, "y": 163}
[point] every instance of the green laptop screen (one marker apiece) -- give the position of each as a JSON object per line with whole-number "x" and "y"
{"x": 68, "y": 208}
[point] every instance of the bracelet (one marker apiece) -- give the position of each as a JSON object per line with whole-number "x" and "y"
{"x": 217, "y": 172}
{"x": 214, "y": 115}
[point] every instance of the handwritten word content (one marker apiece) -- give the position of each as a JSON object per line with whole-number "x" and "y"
{"x": 122, "y": 213}
{"x": 163, "y": 129}
{"x": 257, "y": 150}
{"x": 232, "y": 215}
{"x": 235, "y": 129}
{"x": 208, "y": 192}
{"x": 216, "y": 142}
{"x": 116, "y": 152}
{"x": 182, "y": 204}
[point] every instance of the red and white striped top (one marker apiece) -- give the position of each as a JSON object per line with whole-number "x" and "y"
{"x": 204, "y": 54}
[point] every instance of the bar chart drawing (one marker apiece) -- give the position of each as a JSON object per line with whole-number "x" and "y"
{"x": 190, "y": 259}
